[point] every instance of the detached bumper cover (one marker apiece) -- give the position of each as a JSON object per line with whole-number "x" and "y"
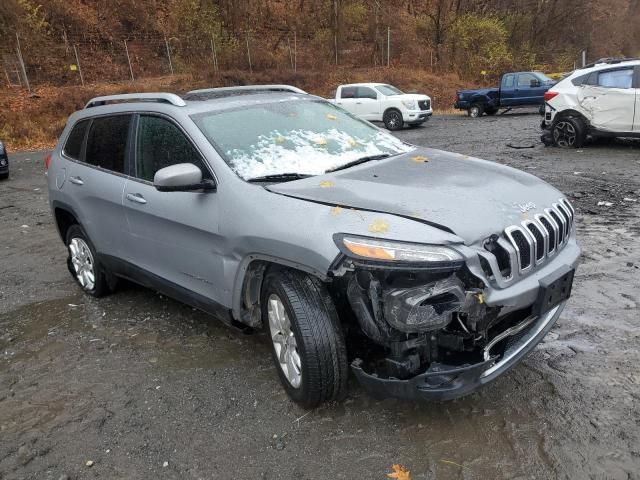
{"x": 446, "y": 382}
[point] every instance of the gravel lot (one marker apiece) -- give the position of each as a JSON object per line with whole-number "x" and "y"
{"x": 145, "y": 387}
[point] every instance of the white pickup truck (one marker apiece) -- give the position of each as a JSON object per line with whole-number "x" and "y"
{"x": 379, "y": 102}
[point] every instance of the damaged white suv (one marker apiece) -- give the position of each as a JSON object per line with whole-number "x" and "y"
{"x": 602, "y": 100}
{"x": 430, "y": 273}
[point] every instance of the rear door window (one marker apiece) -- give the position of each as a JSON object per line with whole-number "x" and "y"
{"x": 73, "y": 146}
{"x": 348, "y": 92}
{"x": 508, "y": 81}
{"x": 107, "y": 142}
{"x": 622, "y": 78}
{"x": 161, "y": 144}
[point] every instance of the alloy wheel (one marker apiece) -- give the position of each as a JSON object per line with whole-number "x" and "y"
{"x": 83, "y": 264}
{"x": 284, "y": 341}
{"x": 564, "y": 134}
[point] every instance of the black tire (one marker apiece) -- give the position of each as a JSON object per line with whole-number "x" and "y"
{"x": 569, "y": 132}
{"x": 318, "y": 335}
{"x": 491, "y": 111}
{"x": 392, "y": 119}
{"x": 101, "y": 286}
{"x": 475, "y": 111}
{"x": 541, "y": 110}
{"x": 4, "y": 176}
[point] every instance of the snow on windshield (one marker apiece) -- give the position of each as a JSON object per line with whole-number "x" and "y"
{"x": 305, "y": 137}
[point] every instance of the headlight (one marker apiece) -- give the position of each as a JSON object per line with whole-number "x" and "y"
{"x": 393, "y": 251}
{"x": 410, "y": 104}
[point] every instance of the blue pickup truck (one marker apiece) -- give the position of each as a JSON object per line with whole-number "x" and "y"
{"x": 517, "y": 89}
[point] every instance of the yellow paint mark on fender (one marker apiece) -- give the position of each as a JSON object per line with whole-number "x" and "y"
{"x": 326, "y": 184}
{"x": 320, "y": 141}
{"x": 280, "y": 140}
{"x": 335, "y": 211}
{"x": 378, "y": 226}
{"x": 331, "y": 116}
{"x": 420, "y": 159}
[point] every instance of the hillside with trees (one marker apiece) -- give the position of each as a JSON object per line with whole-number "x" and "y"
{"x": 432, "y": 45}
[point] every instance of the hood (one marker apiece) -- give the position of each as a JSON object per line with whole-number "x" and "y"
{"x": 412, "y": 96}
{"x": 470, "y": 197}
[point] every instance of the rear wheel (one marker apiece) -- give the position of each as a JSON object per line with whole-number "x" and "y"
{"x": 475, "y": 111}
{"x": 4, "y": 176}
{"x": 82, "y": 263}
{"x": 491, "y": 111}
{"x": 569, "y": 132}
{"x": 307, "y": 342}
{"x": 393, "y": 119}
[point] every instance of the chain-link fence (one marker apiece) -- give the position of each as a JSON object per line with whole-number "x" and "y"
{"x": 82, "y": 59}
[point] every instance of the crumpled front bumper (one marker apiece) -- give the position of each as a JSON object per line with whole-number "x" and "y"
{"x": 446, "y": 382}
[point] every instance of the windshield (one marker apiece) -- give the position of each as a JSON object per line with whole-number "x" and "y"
{"x": 292, "y": 136}
{"x": 388, "y": 90}
{"x": 543, "y": 77}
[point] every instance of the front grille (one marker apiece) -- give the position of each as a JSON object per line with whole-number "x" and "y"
{"x": 424, "y": 104}
{"x": 535, "y": 240}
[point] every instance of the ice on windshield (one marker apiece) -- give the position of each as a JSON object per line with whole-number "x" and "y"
{"x": 305, "y": 137}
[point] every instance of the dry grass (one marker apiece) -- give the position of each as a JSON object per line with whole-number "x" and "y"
{"x": 34, "y": 121}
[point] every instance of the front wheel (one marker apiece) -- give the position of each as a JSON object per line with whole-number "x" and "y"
{"x": 393, "y": 120}
{"x": 307, "y": 342}
{"x": 569, "y": 132}
{"x": 475, "y": 111}
{"x": 82, "y": 263}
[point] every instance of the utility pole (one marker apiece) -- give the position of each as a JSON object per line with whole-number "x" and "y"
{"x": 213, "y": 52}
{"x": 295, "y": 51}
{"x": 584, "y": 58}
{"x": 75, "y": 50}
{"x": 388, "y": 45}
{"x": 335, "y": 32}
{"x": 166, "y": 44}
{"x": 249, "y": 54}
{"x": 126, "y": 49}
{"x": 21, "y": 60}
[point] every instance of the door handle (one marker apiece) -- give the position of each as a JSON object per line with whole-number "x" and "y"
{"x": 136, "y": 197}
{"x": 76, "y": 180}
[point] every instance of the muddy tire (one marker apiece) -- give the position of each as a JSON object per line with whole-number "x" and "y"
{"x": 83, "y": 265}
{"x": 475, "y": 110}
{"x": 491, "y": 111}
{"x": 307, "y": 341}
{"x": 569, "y": 132}
{"x": 392, "y": 119}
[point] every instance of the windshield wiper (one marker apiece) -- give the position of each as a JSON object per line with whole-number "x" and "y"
{"x": 283, "y": 177}
{"x": 358, "y": 162}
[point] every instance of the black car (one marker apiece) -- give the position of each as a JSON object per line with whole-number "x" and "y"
{"x": 4, "y": 162}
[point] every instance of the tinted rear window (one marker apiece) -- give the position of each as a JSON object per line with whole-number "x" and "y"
{"x": 107, "y": 142}
{"x": 73, "y": 147}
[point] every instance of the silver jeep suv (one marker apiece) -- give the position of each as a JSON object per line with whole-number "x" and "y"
{"x": 430, "y": 273}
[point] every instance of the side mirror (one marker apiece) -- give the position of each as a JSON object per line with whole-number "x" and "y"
{"x": 535, "y": 83}
{"x": 182, "y": 177}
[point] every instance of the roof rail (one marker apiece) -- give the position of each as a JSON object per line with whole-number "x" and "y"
{"x": 170, "y": 98}
{"x": 610, "y": 61}
{"x": 248, "y": 89}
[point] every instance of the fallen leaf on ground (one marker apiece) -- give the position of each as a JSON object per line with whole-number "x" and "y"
{"x": 399, "y": 472}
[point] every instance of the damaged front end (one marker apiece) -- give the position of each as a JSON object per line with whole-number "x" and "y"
{"x": 425, "y": 330}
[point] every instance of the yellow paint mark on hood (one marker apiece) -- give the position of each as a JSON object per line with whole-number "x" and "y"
{"x": 326, "y": 184}
{"x": 378, "y": 226}
{"x": 320, "y": 141}
{"x": 335, "y": 211}
{"x": 331, "y": 116}
{"x": 420, "y": 159}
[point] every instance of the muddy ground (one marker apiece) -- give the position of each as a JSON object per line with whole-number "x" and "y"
{"x": 145, "y": 387}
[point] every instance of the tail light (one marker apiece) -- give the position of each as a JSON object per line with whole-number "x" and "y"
{"x": 47, "y": 161}
{"x": 549, "y": 95}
